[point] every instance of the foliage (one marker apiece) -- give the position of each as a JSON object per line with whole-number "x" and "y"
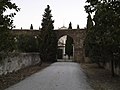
{"x": 103, "y": 39}
{"x": 7, "y": 20}
{"x": 89, "y": 22}
{"x": 68, "y": 45}
{"x": 48, "y": 40}
{"x": 88, "y": 39}
{"x": 6, "y": 24}
{"x": 27, "y": 43}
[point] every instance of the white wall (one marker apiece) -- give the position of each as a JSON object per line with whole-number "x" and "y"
{"x": 19, "y": 61}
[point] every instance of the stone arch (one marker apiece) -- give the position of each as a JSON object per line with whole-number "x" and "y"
{"x": 65, "y": 57}
{"x": 64, "y": 35}
{"x": 58, "y": 37}
{"x": 78, "y": 38}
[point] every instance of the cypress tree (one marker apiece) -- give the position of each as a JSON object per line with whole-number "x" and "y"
{"x": 31, "y": 27}
{"x": 48, "y": 43}
{"x": 78, "y": 27}
{"x": 89, "y": 27}
{"x": 89, "y": 22}
{"x": 68, "y": 45}
{"x": 70, "y": 26}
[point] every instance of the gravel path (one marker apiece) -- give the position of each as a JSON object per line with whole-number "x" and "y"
{"x": 58, "y": 76}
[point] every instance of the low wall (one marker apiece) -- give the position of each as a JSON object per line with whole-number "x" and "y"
{"x": 19, "y": 61}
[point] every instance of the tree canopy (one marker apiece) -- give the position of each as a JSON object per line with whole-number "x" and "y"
{"x": 6, "y": 23}
{"x": 48, "y": 40}
{"x": 103, "y": 38}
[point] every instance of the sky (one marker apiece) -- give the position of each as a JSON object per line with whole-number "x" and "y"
{"x": 63, "y": 12}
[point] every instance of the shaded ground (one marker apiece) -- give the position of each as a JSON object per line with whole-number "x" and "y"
{"x": 15, "y": 77}
{"x": 100, "y": 79}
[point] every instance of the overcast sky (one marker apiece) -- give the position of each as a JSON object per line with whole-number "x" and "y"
{"x": 63, "y": 11}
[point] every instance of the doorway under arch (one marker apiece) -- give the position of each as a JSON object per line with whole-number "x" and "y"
{"x": 65, "y": 48}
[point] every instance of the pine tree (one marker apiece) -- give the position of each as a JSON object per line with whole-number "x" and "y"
{"x": 31, "y": 27}
{"x": 48, "y": 43}
{"x": 68, "y": 45}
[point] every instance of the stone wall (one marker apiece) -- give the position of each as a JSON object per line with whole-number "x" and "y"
{"x": 78, "y": 36}
{"x": 19, "y": 61}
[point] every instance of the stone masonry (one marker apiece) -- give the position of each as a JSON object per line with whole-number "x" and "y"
{"x": 78, "y": 36}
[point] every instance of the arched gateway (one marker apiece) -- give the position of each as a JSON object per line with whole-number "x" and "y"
{"x": 78, "y": 36}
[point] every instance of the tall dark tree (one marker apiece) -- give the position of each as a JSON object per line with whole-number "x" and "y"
{"x": 31, "y": 26}
{"x": 87, "y": 39}
{"x": 104, "y": 37}
{"x": 48, "y": 43}
{"x": 89, "y": 21}
{"x": 6, "y": 24}
{"x": 69, "y": 44}
{"x": 78, "y": 27}
{"x": 70, "y": 26}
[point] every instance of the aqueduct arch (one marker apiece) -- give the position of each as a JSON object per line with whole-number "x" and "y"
{"x": 78, "y": 36}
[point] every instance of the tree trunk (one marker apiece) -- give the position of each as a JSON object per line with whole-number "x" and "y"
{"x": 69, "y": 57}
{"x": 112, "y": 68}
